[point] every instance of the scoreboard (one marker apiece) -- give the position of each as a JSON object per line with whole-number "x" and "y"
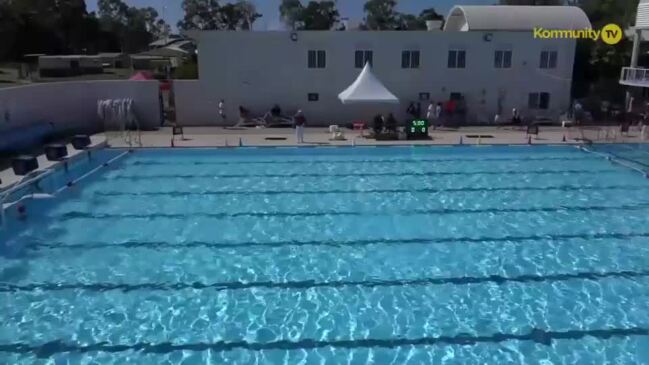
{"x": 418, "y": 129}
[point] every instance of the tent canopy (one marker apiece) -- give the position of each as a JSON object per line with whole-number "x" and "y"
{"x": 367, "y": 89}
{"x": 142, "y": 76}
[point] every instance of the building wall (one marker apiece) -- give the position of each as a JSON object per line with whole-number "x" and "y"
{"x": 259, "y": 69}
{"x": 70, "y": 107}
{"x": 53, "y": 66}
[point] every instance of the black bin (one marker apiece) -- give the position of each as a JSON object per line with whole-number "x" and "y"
{"x": 23, "y": 165}
{"x": 80, "y": 142}
{"x": 56, "y": 152}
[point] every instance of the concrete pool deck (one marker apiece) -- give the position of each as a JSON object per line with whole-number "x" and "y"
{"x": 222, "y": 137}
{"x": 9, "y": 178}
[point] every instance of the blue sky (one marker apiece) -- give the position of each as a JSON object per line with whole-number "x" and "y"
{"x": 348, "y": 8}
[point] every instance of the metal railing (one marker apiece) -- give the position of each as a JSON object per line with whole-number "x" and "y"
{"x": 634, "y": 76}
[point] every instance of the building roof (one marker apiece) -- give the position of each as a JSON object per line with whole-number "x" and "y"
{"x": 164, "y": 52}
{"x": 463, "y": 18}
{"x": 165, "y": 41}
{"x": 70, "y": 56}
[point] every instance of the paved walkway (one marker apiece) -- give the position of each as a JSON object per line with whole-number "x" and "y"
{"x": 9, "y": 178}
{"x": 220, "y": 137}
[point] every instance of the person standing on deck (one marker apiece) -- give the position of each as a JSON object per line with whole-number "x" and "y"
{"x": 438, "y": 114}
{"x": 299, "y": 120}
{"x": 430, "y": 113}
{"x": 222, "y": 111}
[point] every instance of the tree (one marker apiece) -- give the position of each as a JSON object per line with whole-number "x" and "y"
{"x": 532, "y": 2}
{"x": 597, "y": 65}
{"x": 9, "y": 25}
{"x": 320, "y": 15}
{"x": 381, "y": 15}
{"x": 249, "y": 14}
{"x": 134, "y": 27}
{"x": 209, "y": 15}
{"x": 200, "y": 15}
{"x": 291, "y": 13}
{"x": 430, "y": 14}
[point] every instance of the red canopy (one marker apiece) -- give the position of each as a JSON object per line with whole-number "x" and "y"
{"x": 148, "y": 75}
{"x": 142, "y": 76}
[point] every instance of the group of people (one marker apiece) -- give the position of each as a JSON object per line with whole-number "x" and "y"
{"x": 437, "y": 113}
{"x": 382, "y": 125}
{"x": 273, "y": 116}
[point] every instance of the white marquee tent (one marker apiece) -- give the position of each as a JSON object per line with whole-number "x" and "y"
{"x": 367, "y": 89}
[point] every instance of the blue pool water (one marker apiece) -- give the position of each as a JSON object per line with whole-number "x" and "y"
{"x": 494, "y": 255}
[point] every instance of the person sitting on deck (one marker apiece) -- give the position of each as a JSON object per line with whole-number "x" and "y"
{"x": 391, "y": 124}
{"x": 276, "y": 111}
{"x": 378, "y": 124}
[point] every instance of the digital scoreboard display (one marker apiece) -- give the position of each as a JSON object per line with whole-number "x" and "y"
{"x": 418, "y": 129}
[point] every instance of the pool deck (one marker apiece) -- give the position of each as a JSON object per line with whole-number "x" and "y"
{"x": 222, "y": 137}
{"x": 9, "y": 178}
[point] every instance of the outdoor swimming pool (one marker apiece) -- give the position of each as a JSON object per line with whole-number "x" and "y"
{"x": 491, "y": 255}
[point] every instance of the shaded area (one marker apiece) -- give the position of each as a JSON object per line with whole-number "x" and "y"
{"x": 535, "y": 335}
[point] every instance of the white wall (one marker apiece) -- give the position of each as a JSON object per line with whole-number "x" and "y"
{"x": 195, "y": 103}
{"x": 258, "y": 69}
{"x": 73, "y": 105}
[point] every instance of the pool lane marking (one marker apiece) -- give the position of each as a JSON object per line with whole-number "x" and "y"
{"x": 631, "y": 188}
{"x": 410, "y": 212}
{"x": 312, "y": 284}
{"x": 353, "y": 161}
{"x": 536, "y": 335}
{"x": 360, "y": 175}
{"x": 329, "y": 243}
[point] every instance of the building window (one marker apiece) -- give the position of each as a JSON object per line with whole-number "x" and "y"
{"x": 503, "y": 59}
{"x": 410, "y": 59}
{"x": 424, "y": 96}
{"x": 313, "y": 96}
{"x": 549, "y": 59}
{"x": 317, "y": 59}
{"x": 363, "y": 57}
{"x": 456, "y": 96}
{"x": 456, "y": 58}
{"x": 539, "y": 101}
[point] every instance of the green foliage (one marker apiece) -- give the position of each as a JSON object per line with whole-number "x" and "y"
{"x": 187, "y": 71}
{"x": 317, "y": 15}
{"x": 382, "y": 15}
{"x": 134, "y": 27}
{"x": 210, "y": 15}
{"x": 65, "y": 26}
{"x": 532, "y": 2}
{"x": 320, "y": 15}
{"x": 291, "y": 13}
{"x": 597, "y": 65}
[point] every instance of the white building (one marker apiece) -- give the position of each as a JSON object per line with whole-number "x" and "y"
{"x": 486, "y": 54}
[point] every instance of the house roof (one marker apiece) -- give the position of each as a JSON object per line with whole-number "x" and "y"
{"x": 463, "y": 18}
